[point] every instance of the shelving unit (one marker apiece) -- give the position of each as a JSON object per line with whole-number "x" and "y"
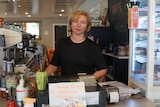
{"x": 117, "y": 67}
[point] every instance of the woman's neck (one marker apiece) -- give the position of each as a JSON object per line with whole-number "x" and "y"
{"x": 77, "y": 39}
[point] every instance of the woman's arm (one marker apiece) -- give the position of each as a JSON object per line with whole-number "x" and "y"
{"x": 51, "y": 69}
{"x": 100, "y": 75}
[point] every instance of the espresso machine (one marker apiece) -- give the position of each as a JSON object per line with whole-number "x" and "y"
{"x": 8, "y": 39}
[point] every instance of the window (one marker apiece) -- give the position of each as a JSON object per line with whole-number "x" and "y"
{"x": 30, "y": 27}
{"x": 33, "y": 29}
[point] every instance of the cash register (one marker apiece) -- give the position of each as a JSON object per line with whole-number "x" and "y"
{"x": 43, "y": 96}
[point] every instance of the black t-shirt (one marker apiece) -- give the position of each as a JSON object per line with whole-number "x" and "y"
{"x": 76, "y": 58}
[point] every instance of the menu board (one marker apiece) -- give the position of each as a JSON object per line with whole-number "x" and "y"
{"x": 118, "y": 18}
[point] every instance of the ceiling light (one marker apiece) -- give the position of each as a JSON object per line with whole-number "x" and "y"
{"x": 60, "y": 14}
{"x": 29, "y": 15}
{"x": 62, "y": 10}
{"x": 5, "y": 13}
{"x": 26, "y": 13}
{"x": 19, "y": 6}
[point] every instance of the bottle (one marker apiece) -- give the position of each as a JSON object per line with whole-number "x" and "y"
{"x": 21, "y": 91}
{"x": 11, "y": 102}
{"x": 3, "y": 81}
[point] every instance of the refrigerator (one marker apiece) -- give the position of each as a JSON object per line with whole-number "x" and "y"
{"x": 144, "y": 58}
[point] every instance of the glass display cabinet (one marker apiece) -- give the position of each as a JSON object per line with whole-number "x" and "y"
{"x": 144, "y": 59}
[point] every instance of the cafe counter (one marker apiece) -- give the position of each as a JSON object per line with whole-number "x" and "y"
{"x": 136, "y": 100}
{"x": 131, "y": 102}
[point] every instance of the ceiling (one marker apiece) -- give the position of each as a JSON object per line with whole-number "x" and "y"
{"x": 37, "y": 8}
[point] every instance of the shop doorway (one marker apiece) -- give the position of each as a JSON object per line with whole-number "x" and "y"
{"x": 59, "y": 31}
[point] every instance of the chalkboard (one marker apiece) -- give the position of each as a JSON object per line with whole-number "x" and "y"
{"x": 118, "y": 19}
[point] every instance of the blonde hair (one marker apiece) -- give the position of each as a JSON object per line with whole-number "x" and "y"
{"x": 76, "y": 15}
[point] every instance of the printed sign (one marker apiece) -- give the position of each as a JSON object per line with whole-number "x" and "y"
{"x": 133, "y": 15}
{"x": 68, "y": 94}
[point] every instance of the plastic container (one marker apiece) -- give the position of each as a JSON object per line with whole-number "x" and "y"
{"x": 21, "y": 91}
{"x": 41, "y": 79}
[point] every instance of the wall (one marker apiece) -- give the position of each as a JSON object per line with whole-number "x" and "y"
{"x": 46, "y": 24}
{"x": 96, "y": 8}
{"x": 88, "y": 4}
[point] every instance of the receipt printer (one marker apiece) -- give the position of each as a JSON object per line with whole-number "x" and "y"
{"x": 112, "y": 94}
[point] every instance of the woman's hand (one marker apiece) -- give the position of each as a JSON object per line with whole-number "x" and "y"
{"x": 100, "y": 75}
{"x": 51, "y": 69}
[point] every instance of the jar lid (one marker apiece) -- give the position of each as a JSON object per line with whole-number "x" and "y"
{"x": 3, "y": 89}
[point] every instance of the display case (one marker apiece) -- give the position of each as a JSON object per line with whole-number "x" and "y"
{"x": 144, "y": 59}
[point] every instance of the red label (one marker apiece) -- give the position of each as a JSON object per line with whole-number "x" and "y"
{"x": 20, "y": 90}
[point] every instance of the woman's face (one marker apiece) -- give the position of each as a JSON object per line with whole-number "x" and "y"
{"x": 79, "y": 26}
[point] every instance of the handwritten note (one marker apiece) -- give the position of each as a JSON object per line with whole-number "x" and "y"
{"x": 68, "y": 94}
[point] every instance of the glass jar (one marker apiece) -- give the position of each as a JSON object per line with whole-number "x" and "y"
{"x": 11, "y": 81}
{"x": 1, "y": 92}
{"x": 2, "y": 77}
{"x": 121, "y": 50}
{"x": 6, "y": 95}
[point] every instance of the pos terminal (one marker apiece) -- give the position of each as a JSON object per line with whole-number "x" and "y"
{"x": 43, "y": 96}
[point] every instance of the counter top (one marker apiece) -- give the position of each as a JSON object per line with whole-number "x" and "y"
{"x": 3, "y": 102}
{"x": 134, "y": 101}
{"x": 141, "y": 102}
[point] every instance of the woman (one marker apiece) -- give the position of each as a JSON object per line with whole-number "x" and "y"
{"x": 76, "y": 53}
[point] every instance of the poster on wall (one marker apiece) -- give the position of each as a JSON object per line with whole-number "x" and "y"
{"x": 99, "y": 14}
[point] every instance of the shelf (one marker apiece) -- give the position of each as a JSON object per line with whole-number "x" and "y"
{"x": 117, "y": 67}
{"x": 142, "y": 44}
{"x": 141, "y": 58}
{"x": 115, "y": 56}
{"x": 142, "y": 78}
